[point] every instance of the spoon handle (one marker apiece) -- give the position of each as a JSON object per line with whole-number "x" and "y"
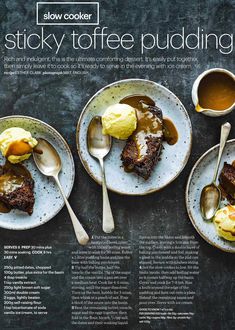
{"x": 225, "y": 130}
{"x": 80, "y": 232}
{"x": 108, "y": 222}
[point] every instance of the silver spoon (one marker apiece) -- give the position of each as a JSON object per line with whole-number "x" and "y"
{"x": 49, "y": 163}
{"x": 99, "y": 146}
{"x": 211, "y": 194}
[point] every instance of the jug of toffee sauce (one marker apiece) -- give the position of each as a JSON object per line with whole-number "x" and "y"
{"x": 213, "y": 92}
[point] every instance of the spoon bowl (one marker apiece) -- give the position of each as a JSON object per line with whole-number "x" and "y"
{"x": 210, "y": 200}
{"x": 47, "y": 158}
{"x": 99, "y": 144}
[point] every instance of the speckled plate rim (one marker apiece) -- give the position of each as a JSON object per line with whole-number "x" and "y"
{"x": 187, "y": 197}
{"x": 101, "y": 91}
{"x": 72, "y": 163}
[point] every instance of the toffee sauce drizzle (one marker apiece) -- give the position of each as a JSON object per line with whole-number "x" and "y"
{"x": 147, "y": 123}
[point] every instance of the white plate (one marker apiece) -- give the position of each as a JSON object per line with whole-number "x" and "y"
{"x": 173, "y": 158}
{"x": 48, "y": 200}
{"x": 201, "y": 175}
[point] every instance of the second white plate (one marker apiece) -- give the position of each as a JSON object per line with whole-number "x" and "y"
{"x": 201, "y": 175}
{"x": 173, "y": 158}
{"x": 48, "y": 199}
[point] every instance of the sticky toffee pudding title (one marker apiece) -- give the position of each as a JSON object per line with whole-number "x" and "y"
{"x": 102, "y": 38}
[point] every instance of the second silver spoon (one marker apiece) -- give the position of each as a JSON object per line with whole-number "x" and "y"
{"x": 211, "y": 194}
{"x": 49, "y": 163}
{"x": 99, "y": 146}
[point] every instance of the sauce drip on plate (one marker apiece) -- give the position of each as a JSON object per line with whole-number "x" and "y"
{"x": 4, "y": 208}
{"x": 170, "y": 132}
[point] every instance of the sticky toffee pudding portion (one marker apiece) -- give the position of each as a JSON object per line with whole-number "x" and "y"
{"x": 16, "y": 188}
{"x": 143, "y": 148}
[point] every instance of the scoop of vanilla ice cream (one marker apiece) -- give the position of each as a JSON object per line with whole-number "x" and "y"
{"x": 224, "y": 222}
{"x": 119, "y": 121}
{"x": 16, "y": 144}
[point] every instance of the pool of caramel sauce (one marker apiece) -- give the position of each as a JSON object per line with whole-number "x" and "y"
{"x": 147, "y": 123}
{"x": 12, "y": 177}
{"x": 216, "y": 91}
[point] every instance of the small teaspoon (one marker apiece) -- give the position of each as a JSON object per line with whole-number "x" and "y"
{"x": 211, "y": 194}
{"x": 49, "y": 163}
{"x": 99, "y": 146}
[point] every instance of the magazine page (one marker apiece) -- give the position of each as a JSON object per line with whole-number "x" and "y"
{"x": 117, "y": 165}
